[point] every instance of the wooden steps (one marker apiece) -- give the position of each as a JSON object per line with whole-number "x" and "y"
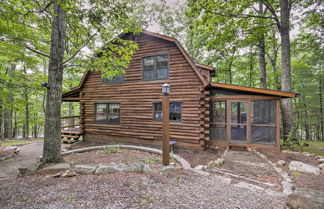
{"x": 70, "y": 136}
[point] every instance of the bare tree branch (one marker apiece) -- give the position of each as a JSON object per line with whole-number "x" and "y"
{"x": 273, "y": 12}
{"x": 89, "y": 39}
{"x": 38, "y": 52}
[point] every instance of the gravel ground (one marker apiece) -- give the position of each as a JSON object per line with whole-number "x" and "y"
{"x": 176, "y": 189}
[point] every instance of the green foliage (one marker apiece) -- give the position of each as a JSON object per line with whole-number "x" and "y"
{"x": 19, "y": 142}
{"x": 112, "y": 149}
{"x": 151, "y": 160}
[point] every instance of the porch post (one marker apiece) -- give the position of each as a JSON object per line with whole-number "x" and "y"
{"x": 278, "y": 124}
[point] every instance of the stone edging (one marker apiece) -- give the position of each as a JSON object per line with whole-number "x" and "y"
{"x": 287, "y": 183}
{"x": 185, "y": 164}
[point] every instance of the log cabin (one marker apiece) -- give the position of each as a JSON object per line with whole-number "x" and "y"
{"x": 202, "y": 113}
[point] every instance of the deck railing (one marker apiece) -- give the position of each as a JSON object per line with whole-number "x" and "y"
{"x": 70, "y": 122}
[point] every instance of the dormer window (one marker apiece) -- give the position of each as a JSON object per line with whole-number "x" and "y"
{"x": 156, "y": 67}
{"x": 114, "y": 79}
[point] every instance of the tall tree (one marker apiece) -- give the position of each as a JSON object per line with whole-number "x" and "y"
{"x": 84, "y": 28}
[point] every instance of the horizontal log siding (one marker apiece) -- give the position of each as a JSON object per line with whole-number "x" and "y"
{"x": 136, "y": 97}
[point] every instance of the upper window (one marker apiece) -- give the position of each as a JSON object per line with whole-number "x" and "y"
{"x": 114, "y": 79}
{"x": 156, "y": 67}
{"x": 107, "y": 113}
{"x": 175, "y": 111}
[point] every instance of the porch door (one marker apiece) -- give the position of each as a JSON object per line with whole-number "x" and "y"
{"x": 238, "y": 122}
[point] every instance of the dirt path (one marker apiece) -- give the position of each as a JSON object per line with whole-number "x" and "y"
{"x": 28, "y": 154}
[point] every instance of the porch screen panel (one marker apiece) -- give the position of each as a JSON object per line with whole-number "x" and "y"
{"x": 264, "y": 126}
{"x": 217, "y": 129}
{"x": 217, "y": 132}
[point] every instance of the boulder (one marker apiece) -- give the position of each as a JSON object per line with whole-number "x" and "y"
{"x": 321, "y": 161}
{"x": 305, "y": 199}
{"x": 280, "y": 163}
{"x": 110, "y": 168}
{"x": 169, "y": 168}
{"x": 219, "y": 162}
{"x": 137, "y": 167}
{"x": 200, "y": 167}
{"x": 288, "y": 187}
{"x": 55, "y": 168}
{"x": 69, "y": 173}
{"x": 211, "y": 164}
{"x": 303, "y": 168}
{"x": 249, "y": 186}
{"x": 28, "y": 169}
{"x": 85, "y": 169}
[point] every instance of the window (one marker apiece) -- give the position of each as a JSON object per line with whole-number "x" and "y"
{"x": 156, "y": 67}
{"x": 114, "y": 79}
{"x": 175, "y": 111}
{"x": 107, "y": 113}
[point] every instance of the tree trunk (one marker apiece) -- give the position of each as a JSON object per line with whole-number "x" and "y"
{"x": 306, "y": 125}
{"x": 1, "y": 122}
{"x": 262, "y": 63}
{"x": 262, "y": 53}
{"x": 321, "y": 104}
{"x": 287, "y": 108}
{"x": 15, "y": 128}
{"x": 8, "y": 132}
{"x": 52, "y": 129}
{"x": 26, "y": 123}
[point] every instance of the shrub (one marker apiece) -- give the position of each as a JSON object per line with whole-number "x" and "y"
{"x": 112, "y": 149}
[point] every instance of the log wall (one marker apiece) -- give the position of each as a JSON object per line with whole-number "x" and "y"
{"x": 136, "y": 97}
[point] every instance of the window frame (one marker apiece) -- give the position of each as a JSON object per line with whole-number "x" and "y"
{"x": 114, "y": 83}
{"x": 173, "y": 121}
{"x": 107, "y": 113}
{"x": 155, "y": 66}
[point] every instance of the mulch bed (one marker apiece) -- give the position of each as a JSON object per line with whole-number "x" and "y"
{"x": 199, "y": 157}
{"x": 248, "y": 164}
{"x": 126, "y": 156}
{"x": 301, "y": 180}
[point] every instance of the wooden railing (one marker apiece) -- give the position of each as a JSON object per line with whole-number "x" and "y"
{"x": 70, "y": 122}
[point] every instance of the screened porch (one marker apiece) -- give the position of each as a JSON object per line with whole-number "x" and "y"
{"x": 247, "y": 118}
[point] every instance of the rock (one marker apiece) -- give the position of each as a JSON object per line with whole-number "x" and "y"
{"x": 110, "y": 168}
{"x": 306, "y": 154}
{"x": 85, "y": 169}
{"x": 219, "y": 162}
{"x": 169, "y": 168}
{"x": 288, "y": 187}
{"x": 69, "y": 173}
{"x": 321, "y": 166}
{"x": 55, "y": 168}
{"x": 305, "y": 199}
{"x": 200, "y": 167}
{"x": 211, "y": 164}
{"x": 303, "y": 167}
{"x": 321, "y": 161}
{"x": 281, "y": 163}
{"x": 248, "y": 186}
{"x": 57, "y": 175}
{"x": 28, "y": 169}
{"x": 137, "y": 167}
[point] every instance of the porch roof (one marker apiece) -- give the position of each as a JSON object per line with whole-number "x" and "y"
{"x": 259, "y": 91}
{"x": 73, "y": 95}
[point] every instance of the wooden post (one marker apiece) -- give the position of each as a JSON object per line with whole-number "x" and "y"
{"x": 165, "y": 130}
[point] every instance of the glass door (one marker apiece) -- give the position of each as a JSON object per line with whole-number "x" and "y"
{"x": 238, "y": 122}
